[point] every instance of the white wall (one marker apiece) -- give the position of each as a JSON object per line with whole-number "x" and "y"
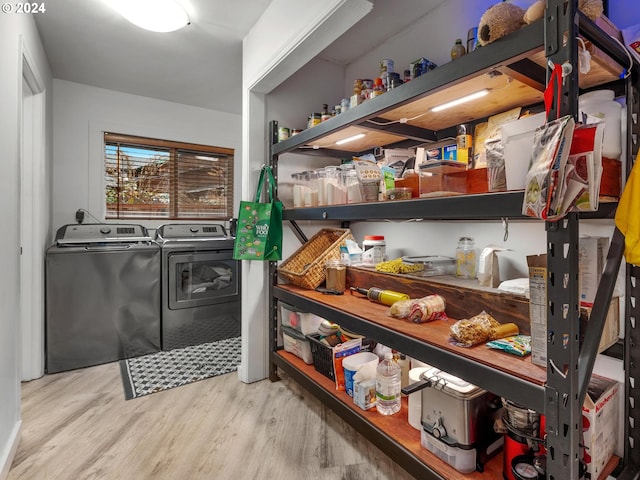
{"x": 17, "y": 35}
{"x": 624, "y": 13}
{"x": 82, "y": 113}
{"x": 288, "y": 35}
{"x": 431, "y": 37}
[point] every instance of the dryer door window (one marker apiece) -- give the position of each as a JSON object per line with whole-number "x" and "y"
{"x": 202, "y": 279}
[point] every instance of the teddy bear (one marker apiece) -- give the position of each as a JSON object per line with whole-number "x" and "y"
{"x": 591, "y": 8}
{"x": 499, "y": 20}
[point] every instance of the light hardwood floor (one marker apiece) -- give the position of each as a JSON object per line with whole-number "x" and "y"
{"x": 77, "y": 426}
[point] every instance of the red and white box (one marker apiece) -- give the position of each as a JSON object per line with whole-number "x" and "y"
{"x": 600, "y": 423}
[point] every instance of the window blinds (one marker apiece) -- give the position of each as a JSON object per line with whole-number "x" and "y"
{"x": 150, "y": 178}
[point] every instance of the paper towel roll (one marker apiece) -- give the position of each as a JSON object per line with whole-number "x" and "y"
{"x": 415, "y": 399}
{"x": 417, "y": 363}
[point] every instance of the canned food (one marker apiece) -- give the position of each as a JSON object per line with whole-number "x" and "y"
{"x": 295, "y": 131}
{"x": 314, "y": 119}
{"x": 386, "y": 65}
{"x": 283, "y": 133}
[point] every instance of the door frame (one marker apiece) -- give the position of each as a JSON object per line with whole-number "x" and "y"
{"x": 32, "y": 219}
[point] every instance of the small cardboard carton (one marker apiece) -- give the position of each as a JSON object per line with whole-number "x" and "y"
{"x": 538, "y": 313}
{"x": 592, "y": 257}
{"x": 538, "y": 308}
{"x": 611, "y": 331}
{"x": 600, "y": 423}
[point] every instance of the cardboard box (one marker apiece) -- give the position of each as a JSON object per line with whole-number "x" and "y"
{"x": 364, "y": 394}
{"x": 611, "y": 331}
{"x": 538, "y": 313}
{"x": 538, "y": 308}
{"x": 592, "y": 256}
{"x": 600, "y": 423}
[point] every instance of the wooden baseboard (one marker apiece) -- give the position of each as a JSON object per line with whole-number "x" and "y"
{"x": 10, "y": 449}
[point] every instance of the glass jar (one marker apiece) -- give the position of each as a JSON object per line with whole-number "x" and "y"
{"x": 458, "y": 49}
{"x": 336, "y": 273}
{"x": 466, "y": 258}
{"x": 314, "y": 119}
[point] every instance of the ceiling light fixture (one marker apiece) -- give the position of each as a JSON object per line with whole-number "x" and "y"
{"x": 458, "y": 101}
{"x": 350, "y": 139}
{"x": 154, "y": 15}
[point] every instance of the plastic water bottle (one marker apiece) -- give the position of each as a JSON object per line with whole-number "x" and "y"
{"x": 388, "y": 384}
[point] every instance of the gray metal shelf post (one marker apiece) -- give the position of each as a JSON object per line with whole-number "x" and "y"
{"x": 632, "y": 305}
{"x": 273, "y": 270}
{"x": 563, "y": 413}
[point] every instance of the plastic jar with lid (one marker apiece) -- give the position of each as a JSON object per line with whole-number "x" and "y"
{"x": 314, "y": 119}
{"x": 374, "y": 249}
{"x": 601, "y": 105}
{"x": 311, "y": 191}
{"x": 351, "y": 183}
{"x": 466, "y": 258}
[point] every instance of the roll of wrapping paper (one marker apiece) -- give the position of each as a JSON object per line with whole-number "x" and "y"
{"x": 427, "y": 309}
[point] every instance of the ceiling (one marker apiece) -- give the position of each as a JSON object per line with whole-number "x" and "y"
{"x": 87, "y": 42}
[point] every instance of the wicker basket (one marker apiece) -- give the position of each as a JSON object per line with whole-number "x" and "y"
{"x": 305, "y": 268}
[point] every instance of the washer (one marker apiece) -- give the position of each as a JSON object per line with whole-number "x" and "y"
{"x": 200, "y": 285}
{"x": 102, "y": 284}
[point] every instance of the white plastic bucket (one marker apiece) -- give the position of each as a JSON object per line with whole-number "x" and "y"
{"x": 600, "y": 105}
{"x": 352, "y": 364}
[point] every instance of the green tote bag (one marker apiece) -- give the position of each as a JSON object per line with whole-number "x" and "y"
{"x": 259, "y": 232}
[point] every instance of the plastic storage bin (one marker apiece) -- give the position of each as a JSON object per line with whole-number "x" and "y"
{"x": 323, "y": 354}
{"x": 303, "y": 322}
{"x": 297, "y": 343}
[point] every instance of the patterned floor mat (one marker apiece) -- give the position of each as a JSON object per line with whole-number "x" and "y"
{"x": 164, "y": 370}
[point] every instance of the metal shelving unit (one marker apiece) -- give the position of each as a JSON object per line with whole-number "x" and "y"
{"x": 569, "y": 366}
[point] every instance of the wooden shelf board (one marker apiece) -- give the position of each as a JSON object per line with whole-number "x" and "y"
{"x": 603, "y": 70}
{"x": 396, "y": 426}
{"x": 370, "y": 140}
{"x": 505, "y": 93}
{"x": 434, "y": 333}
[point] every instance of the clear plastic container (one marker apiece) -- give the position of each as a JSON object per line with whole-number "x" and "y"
{"x": 298, "y": 189}
{"x": 466, "y": 258}
{"x": 335, "y": 193}
{"x": 388, "y": 386}
{"x": 297, "y": 343}
{"x": 352, "y": 184}
{"x": 304, "y": 322}
{"x": 321, "y": 175}
{"x": 311, "y": 191}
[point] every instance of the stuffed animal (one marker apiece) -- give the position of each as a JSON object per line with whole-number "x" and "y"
{"x": 500, "y": 20}
{"x": 591, "y": 8}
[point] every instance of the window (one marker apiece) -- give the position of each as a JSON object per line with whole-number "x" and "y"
{"x": 146, "y": 178}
